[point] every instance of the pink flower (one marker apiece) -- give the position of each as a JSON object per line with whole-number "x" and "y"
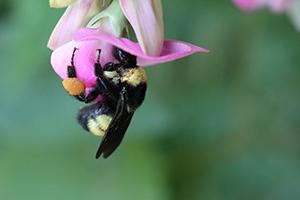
{"x": 290, "y": 7}
{"x": 248, "y": 5}
{"x": 93, "y": 39}
{"x": 104, "y": 31}
{"x": 274, "y": 5}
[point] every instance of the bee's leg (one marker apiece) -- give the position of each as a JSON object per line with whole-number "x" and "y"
{"x": 93, "y": 94}
{"x": 104, "y": 86}
{"x": 71, "y": 72}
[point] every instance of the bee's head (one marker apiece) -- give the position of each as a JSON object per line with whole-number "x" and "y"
{"x": 125, "y": 58}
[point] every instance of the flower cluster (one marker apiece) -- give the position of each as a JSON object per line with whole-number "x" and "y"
{"x": 103, "y": 24}
{"x": 290, "y": 7}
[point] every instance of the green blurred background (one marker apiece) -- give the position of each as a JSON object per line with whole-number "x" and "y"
{"x": 217, "y": 126}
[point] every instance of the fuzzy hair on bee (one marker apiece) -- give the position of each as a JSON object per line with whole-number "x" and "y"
{"x": 123, "y": 85}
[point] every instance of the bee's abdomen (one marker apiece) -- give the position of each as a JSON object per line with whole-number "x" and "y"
{"x": 95, "y": 118}
{"x": 99, "y": 125}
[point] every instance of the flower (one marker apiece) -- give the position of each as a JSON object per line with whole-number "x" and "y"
{"x": 77, "y": 15}
{"x": 92, "y": 39}
{"x": 106, "y": 30}
{"x": 274, "y": 5}
{"x": 291, "y": 7}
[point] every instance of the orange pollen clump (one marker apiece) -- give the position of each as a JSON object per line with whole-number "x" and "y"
{"x": 73, "y": 86}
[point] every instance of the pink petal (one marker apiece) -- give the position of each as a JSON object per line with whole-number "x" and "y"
{"x": 248, "y": 5}
{"x": 75, "y": 17}
{"x": 279, "y": 5}
{"x": 84, "y": 60}
{"x": 171, "y": 50}
{"x": 274, "y": 5}
{"x": 146, "y": 18}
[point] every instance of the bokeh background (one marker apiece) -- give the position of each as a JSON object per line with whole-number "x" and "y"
{"x": 217, "y": 126}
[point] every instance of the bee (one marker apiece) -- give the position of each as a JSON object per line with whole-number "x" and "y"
{"x": 122, "y": 84}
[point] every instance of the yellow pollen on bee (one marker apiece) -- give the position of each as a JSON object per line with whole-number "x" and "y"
{"x": 73, "y": 86}
{"x": 135, "y": 76}
{"x": 111, "y": 74}
{"x": 99, "y": 125}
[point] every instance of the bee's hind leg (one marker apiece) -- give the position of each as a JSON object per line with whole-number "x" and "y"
{"x": 75, "y": 86}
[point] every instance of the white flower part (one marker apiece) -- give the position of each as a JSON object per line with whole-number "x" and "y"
{"x": 294, "y": 12}
{"x": 114, "y": 15}
{"x": 279, "y": 6}
{"x": 60, "y": 3}
{"x": 146, "y": 19}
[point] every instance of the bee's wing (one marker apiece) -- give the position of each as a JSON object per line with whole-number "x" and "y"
{"x": 116, "y": 130}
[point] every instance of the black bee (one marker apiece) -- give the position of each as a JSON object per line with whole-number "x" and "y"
{"x": 123, "y": 85}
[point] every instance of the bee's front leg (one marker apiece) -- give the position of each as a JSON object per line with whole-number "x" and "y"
{"x": 105, "y": 86}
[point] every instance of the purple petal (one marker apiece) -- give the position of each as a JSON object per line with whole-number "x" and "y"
{"x": 171, "y": 50}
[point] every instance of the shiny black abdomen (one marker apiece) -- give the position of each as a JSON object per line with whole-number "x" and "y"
{"x": 94, "y": 110}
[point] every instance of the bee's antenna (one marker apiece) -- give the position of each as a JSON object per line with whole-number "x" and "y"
{"x": 73, "y": 55}
{"x": 98, "y": 58}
